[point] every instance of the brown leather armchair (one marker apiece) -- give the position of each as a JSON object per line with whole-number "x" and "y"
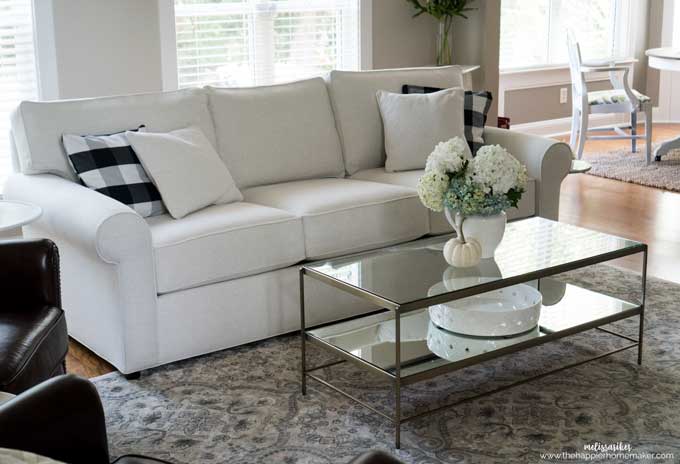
{"x": 33, "y": 337}
{"x": 63, "y": 419}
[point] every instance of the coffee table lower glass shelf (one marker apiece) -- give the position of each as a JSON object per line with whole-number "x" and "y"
{"x": 371, "y": 342}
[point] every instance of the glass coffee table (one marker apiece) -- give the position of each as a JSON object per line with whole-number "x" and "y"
{"x": 407, "y": 279}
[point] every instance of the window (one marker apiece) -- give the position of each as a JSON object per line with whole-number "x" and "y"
{"x": 533, "y": 32}
{"x": 17, "y": 69}
{"x": 255, "y": 42}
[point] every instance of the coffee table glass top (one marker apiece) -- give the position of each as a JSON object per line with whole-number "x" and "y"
{"x": 415, "y": 271}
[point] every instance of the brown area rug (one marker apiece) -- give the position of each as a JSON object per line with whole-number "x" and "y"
{"x": 631, "y": 167}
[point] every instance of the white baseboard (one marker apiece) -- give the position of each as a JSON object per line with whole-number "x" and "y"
{"x": 555, "y": 127}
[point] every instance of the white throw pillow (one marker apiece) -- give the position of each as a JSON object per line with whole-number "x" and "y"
{"x": 415, "y": 123}
{"x": 186, "y": 169}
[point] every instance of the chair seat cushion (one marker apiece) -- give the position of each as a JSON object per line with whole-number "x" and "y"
{"x": 33, "y": 345}
{"x": 438, "y": 223}
{"x": 342, "y": 216}
{"x": 608, "y": 97}
{"x": 223, "y": 242}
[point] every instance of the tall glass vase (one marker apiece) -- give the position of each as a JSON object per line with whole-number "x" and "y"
{"x": 445, "y": 41}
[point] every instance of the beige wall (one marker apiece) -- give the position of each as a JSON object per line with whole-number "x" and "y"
{"x": 654, "y": 23}
{"x": 476, "y": 41}
{"x": 641, "y": 20}
{"x": 520, "y": 111}
{"x": 106, "y": 47}
{"x": 659, "y": 35}
{"x": 399, "y": 40}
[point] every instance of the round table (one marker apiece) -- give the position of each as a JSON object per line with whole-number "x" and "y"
{"x": 665, "y": 59}
{"x": 14, "y": 214}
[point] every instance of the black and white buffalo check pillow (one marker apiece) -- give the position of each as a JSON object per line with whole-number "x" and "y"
{"x": 476, "y": 108}
{"x": 109, "y": 165}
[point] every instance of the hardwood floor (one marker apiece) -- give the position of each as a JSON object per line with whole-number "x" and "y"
{"x": 85, "y": 363}
{"x": 633, "y": 211}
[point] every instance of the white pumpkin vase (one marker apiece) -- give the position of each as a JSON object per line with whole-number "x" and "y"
{"x": 462, "y": 252}
{"x": 488, "y": 231}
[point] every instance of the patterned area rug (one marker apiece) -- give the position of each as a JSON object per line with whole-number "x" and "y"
{"x": 244, "y": 406}
{"x": 632, "y": 167}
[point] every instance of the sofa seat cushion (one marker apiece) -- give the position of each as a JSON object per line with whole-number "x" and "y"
{"x": 223, "y": 242}
{"x": 342, "y": 216}
{"x": 438, "y": 223}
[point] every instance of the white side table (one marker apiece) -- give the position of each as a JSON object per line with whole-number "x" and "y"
{"x": 14, "y": 214}
{"x": 665, "y": 59}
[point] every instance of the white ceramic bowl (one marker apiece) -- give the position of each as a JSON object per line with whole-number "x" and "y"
{"x": 455, "y": 347}
{"x": 507, "y": 311}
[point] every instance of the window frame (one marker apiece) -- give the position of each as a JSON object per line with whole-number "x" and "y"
{"x": 45, "y": 50}
{"x": 166, "y": 14}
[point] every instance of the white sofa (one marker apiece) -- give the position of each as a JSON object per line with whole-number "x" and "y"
{"x": 308, "y": 157}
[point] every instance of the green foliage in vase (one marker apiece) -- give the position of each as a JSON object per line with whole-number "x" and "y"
{"x": 441, "y": 8}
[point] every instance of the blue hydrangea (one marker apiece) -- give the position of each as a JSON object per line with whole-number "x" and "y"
{"x": 466, "y": 197}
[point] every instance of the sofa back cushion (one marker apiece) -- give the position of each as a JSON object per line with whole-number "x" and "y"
{"x": 358, "y": 120}
{"x": 37, "y": 127}
{"x": 276, "y": 133}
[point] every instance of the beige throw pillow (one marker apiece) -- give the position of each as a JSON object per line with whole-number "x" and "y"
{"x": 185, "y": 168}
{"x": 415, "y": 123}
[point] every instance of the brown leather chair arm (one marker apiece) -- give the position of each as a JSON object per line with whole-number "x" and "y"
{"x": 29, "y": 274}
{"x": 62, "y": 418}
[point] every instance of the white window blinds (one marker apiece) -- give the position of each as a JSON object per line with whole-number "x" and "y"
{"x": 17, "y": 69}
{"x": 255, "y": 42}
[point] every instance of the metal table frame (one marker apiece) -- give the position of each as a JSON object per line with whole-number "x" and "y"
{"x": 400, "y": 309}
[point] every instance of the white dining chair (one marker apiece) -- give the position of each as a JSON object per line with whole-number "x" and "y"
{"x": 620, "y": 99}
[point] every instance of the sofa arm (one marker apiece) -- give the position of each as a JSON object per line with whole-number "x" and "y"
{"x": 108, "y": 276}
{"x": 83, "y": 216}
{"x": 548, "y": 162}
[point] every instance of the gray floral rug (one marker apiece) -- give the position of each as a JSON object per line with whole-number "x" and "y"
{"x": 632, "y": 167}
{"x": 244, "y": 405}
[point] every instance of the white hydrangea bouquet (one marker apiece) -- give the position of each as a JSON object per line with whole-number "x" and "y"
{"x": 482, "y": 187}
{"x": 491, "y": 182}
